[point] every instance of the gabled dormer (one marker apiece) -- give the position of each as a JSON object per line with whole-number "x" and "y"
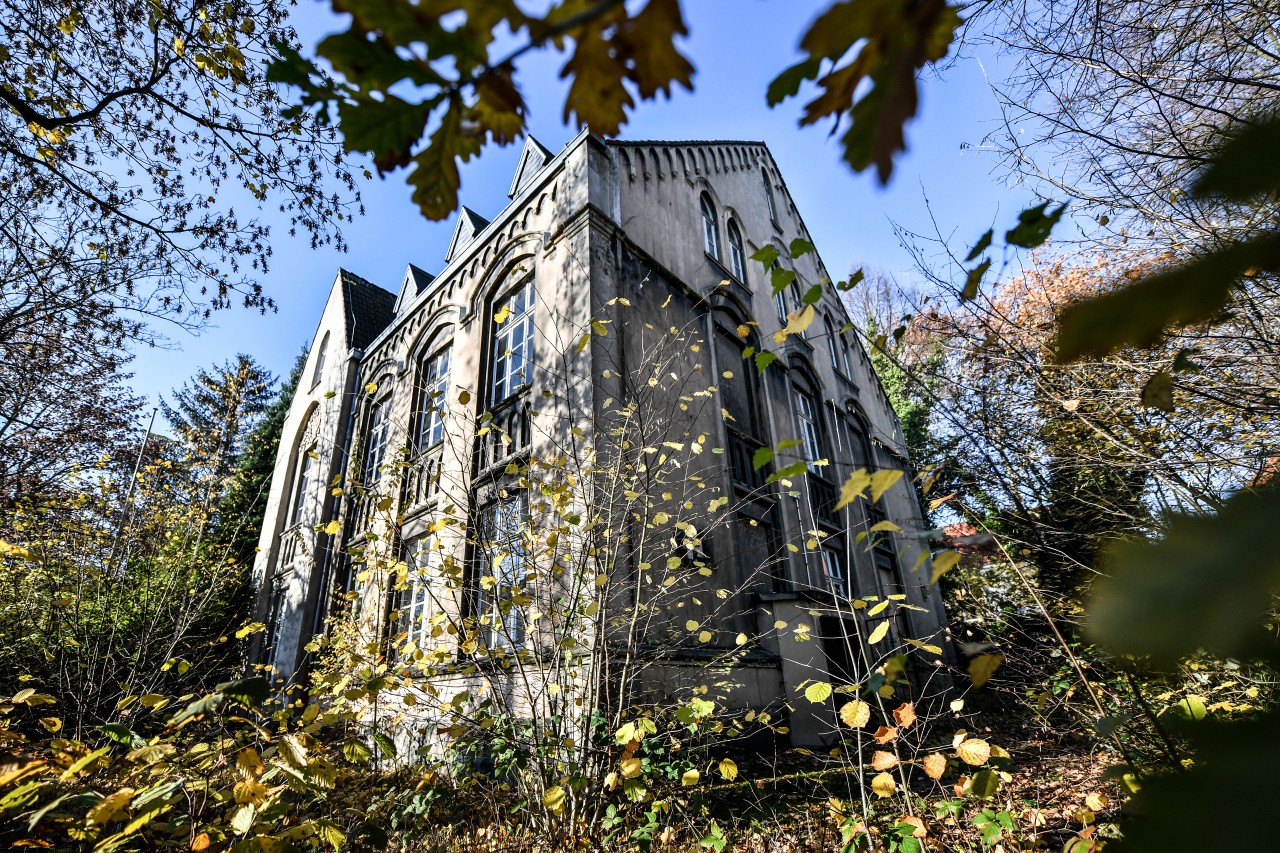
{"x": 532, "y": 159}
{"x": 469, "y": 225}
{"x": 415, "y": 282}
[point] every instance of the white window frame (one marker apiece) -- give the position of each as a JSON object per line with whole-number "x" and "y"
{"x": 835, "y": 570}
{"x": 810, "y": 435}
{"x": 376, "y": 439}
{"x": 710, "y": 227}
{"x": 306, "y": 470}
{"x": 502, "y": 555}
{"x": 737, "y": 256}
{"x": 433, "y": 380}
{"x": 513, "y": 342}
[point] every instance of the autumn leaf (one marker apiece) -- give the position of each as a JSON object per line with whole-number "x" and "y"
{"x": 943, "y": 563}
{"x": 854, "y": 487}
{"x": 630, "y": 767}
{"x": 885, "y": 734}
{"x": 855, "y": 714}
{"x": 882, "y": 480}
{"x": 797, "y": 322}
{"x": 690, "y": 778}
{"x": 112, "y": 807}
{"x": 983, "y": 667}
{"x": 883, "y": 785}
{"x": 878, "y": 633}
{"x": 974, "y": 751}
{"x": 553, "y": 799}
{"x": 819, "y": 691}
{"x": 728, "y": 769}
{"x": 905, "y": 715}
{"x": 881, "y": 760}
{"x": 935, "y": 764}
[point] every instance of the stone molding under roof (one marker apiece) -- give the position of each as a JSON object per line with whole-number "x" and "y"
{"x": 533, "y": 158}
{"x": 469, "y": 225}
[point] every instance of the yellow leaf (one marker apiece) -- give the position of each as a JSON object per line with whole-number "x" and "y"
{"x": 982, "y": 668}
{"x": 935, "y": 764}
{"x": 729, "y": 770}
{"x": 690, "y": 778}
{"x": 243, "y": 819}
{"x": 883, "y": 785}
{"x": 879, "y": 633}
{"x": 503, "y": 313}
{"x": 691, "y": 625}
{"x": 8, "y": 549}
{"x": 112, "y": 807}
{"x": 371, "y": 388}
{"x": 249, "y": 791}
{"x": 332, "y": 527}
{"x": 741, "y": 639}
{"x": 943, "y": 563}
{"x": 882, "y": 480}
{"x": 464, "y": 397}
{"x": 797, "y": 322}
{"x": 553, "y": 799}
{"x": 819, "y": 691}
{"x": 630, "y": 768}
{"x": 855, "y": 714}
{"x": 853, "y": 488}
{"x": 51, "y": 724}
{"x": 974, "y": 751}
{"x": 925, "y": 647}
{"x": 885, "y": 526}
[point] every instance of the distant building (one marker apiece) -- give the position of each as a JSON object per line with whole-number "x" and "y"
{"x": 432, "y": 400}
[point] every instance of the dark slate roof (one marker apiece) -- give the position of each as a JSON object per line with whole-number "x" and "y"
{"x": 533, "y": 158}
{"x": 369, "y": 309}
{"x": 416, "y": 281}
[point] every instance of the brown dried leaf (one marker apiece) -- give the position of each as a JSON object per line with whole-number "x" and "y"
{"x": 935, "y": 764}
{"x": 881, "y": 760}
{"x": 885, "y": 734}
{"x": 905, "y": 715}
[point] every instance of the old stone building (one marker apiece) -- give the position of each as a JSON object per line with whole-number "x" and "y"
{"x": 586, "y": 365}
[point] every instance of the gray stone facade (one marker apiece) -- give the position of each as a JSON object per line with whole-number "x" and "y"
{"x": 612, "y": 262}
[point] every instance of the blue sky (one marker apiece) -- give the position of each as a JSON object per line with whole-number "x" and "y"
{"x": 738, "y": 46}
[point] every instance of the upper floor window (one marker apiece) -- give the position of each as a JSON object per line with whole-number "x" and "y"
{"x": 838, "y": 348}
{"x": 433, "y": 386}
{"x": 710, "y": 232}
{"x": 318, "y": 372}
{"x": 513, "y": 342}
{"x": 768, "y": 197}
{"x": 502, "y": 565}
{"x": 834, "y": 570}
{"x": 807, "y": 415}
{"x": 375, "y": 448}
{"x": 737, "y": 258}
{"x": 306, "y": 474}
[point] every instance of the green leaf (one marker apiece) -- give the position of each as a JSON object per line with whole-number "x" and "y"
{"x": 982, "y": 668}
{"x": 974, "y": 280}
{"x": 787, "y": 84}
{"x": 385, "y": 745}
{"x": 984, "y": 242}
{"x": 764, "y": 359}
{"x": 762, "y": 457}
{"x": 985, "y": 784}
{"x": 800, "y": 247}
{"x": 1207, "y": 584}
{"x": 780, "y": 277}
{"x": 1139, "y": 313}
{"x": 250, "y": 692}
{"x": 1034, "y": 225}
{"x": 1247, "y": 166}
{"x": 795, "y": 469}
{"x": 1157, "y": 392}
{"x": 766, "y": 255}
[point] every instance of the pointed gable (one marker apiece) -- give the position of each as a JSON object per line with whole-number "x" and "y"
{"x": 366, "y": 307}
{"x": 416, "y": 280}
{"x": 532, "y": 159}
{"x": 469, "y": 225}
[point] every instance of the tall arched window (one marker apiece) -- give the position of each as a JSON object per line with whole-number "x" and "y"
{"x": 810, "y": 437}
{"x": 306, "y": 474}
{"x": 433, "y": 386}
{"x": 318, "y": 372}
{"x": 768, "y": 196}
{"x": 513, "y": 342}
{"x": 710, "y": 233}
{"x": 375, "y": 447}
{"x": 737, "y": 258}
{"x": 838, "y": 348}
